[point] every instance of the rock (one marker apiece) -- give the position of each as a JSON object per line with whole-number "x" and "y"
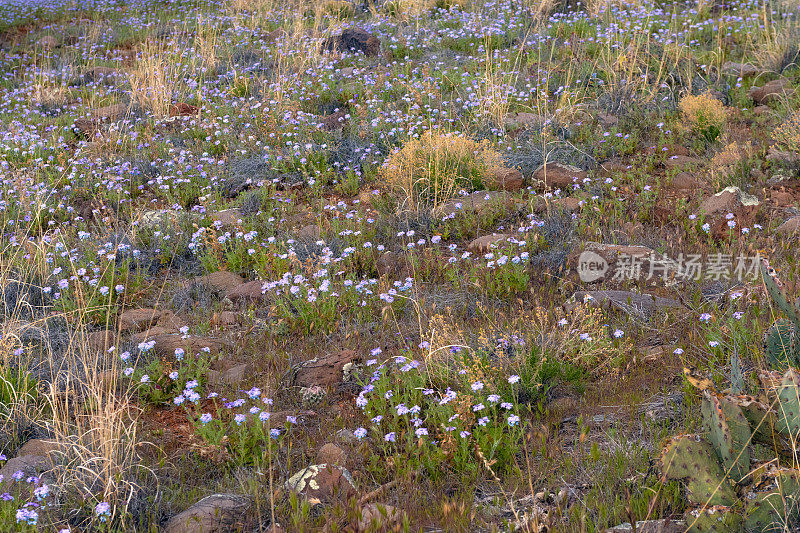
{"x": 321, "y": 483}
{"x": 166, "y": 344}
{"x": 218, "y": 513}
{"x": 651, "y": 526}
{"x": 781, "y": 156}
{"x": 48, "y": 42}
{"x": 334, "y": 121}
{"x": 228, "y": 217}
{"x": 225, "y": 318}
{"x": 232, "y": 376}
{"x": 790, "y": 227}
{"x": 771, "y": 91}
{"x": 506, "y": 179}
{"x": 482, "y": 245}
{"x": 345, "y": 436}
{"x": 728, "y": 200}
{"x": 354, "y": 39}
{"x": 158, "y": 217}
{"x": 681, "y": 161}
{"x": 684, "y": 180}
{"x": 87, "y": 128}
{"x": 183, "y": 109}
{"x": 101, "y": 341}
{"x": 380, "y": 517}
{"x": 567, "y": 204}
{"x": 743, "y": 70}
{"x": 324, "y": 371}
{"x": 606, "y": 120}
{"x": 782, "y": 198}
{"x": 732, "y": 200}
{"x": 221, "y": 280}
{"x": 480, "y": 202}
{"x": 110, "y": 112}
{"x": 29, "y": 465}
{"x": 601, "y": 262}
{"x": 247, "y": 292}
{"x": 628, "y": 301}
{"x": 777, "y": 180}
{"x": 332, "y": 455}
{"x": 559, "y": 175}
{"x": 39, "y": 447}
{"x": 134, "y": 320}
{"x": 651, "y": 354}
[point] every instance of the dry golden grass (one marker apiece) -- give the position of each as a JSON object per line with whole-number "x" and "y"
{"x": 435, "y": 167}
{"x": 787, "y": 135}
{"x": 699, "y": 113}
{"x": 155, "y": 78}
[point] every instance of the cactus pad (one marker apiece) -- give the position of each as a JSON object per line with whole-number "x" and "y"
{"x": 788, "y": 406}
{"x": 729, "y": 433}
{"x": 777, "y": 504}
{"x": 775, "y": 289}
{"x": 692, "y": 459}
{"x": 781, "y": 345}
{"x": 717, "y": 519}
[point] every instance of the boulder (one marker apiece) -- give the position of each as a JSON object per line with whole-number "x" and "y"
{"x": 631, "y": 302}
{"x": 247, "y": 292}
{"x": 559, "y": 175}
{"x": 323, "y": 371}
{"x": 771, "y": 91}
{"x": 733, "y": 200}
{"x": 218, "y": 513}
{"x": 742, "y": 70}
{"x": 221, "y": 281}
{"x": 380, "y": 517}
{"x": 790, "y": 227}
{"x": 331, "y": 454}
{"x": 322, "y": 483}
{"x": 506, "y": 179}
{"x": 480, "y": 202}
{"x": 354, "y": 39}
{"x": 482, "y": 245}
{"x": 182, "y": 109}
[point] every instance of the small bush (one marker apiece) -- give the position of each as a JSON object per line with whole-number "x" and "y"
{"x": 703, "y": 114}
{"x": 435, "y": 167}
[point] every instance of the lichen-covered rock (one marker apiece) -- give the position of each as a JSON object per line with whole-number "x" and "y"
{"x": 322, "y": 482}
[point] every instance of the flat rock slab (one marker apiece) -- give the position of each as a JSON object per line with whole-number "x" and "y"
{"x": 790, "y": 227}
{"x": 559, "y": 175}
{"x": 221, "y": 280}
{"x": 250, "y": 291}
{"x": 628, "y": 301}
{"x": 324, "y": 371}
{"x": 218, "y": 513}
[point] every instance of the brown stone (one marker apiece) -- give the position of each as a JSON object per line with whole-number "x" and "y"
{"x": 743, "y": 70}
{"x": 38, "y": 447}
{"x": 29, "y": 465}
{"x": 101, "y": 341}
{"x": 790, "y": 227}
{"x": 482, "y": 245}
{"x": 782, "y": 198}
{"x": 231, "y": 376}
{"x": 380, "y": 517}
{"x": 250, "y": 291}
{"x": 110, "y": 112}
{"x": 334, "y": 121}
{"x": 133, "y": 320}
{"x": 354, "y": 39}
{"x": 228, "y": 217}
{"x": 771, "y": 91}
{"x": 506, "y": 179}
{"x": 324, "y": 371}
{"x": 183, "y": 109}
{"x": 684, "y": 180}
{"x": 744, "y": 208}
{"x": 221, "y": 280}
{"x": 601, "y": 262}
{"x": 331, "y": 454}
{"x": 166, "y": 344}
{"x": 559, "y": 175}
{"x": 151, "y": 333}
{"x": 630, "y": 302}
{"x": 218, "y": 513}
{"x": 322, "y": 483}
{"x": 681, "y": 161}
{"x": 480, "y": 202}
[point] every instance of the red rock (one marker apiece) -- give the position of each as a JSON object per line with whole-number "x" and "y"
{"x": 325, "y": 371}
{"x": 183, "y": 109}
{"x": 220, "y": 280}
{"x": 483, "y": 245}
{"x": 558, "y": 175}
{"x": 250, "y": 291}
{"x": 504, "y": 178}
{"x": 771, "y": 91}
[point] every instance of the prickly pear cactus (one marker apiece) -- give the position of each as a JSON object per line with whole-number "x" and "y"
{"x": 774, "y": 507}
{"x": 782, "y": 339}
{"x": 759, "y": 416}
{"x": 788, "y": 406}
{"x": 729, "y": 432}
{"x": 693, "y": 460}
{"x": 715, "y": 519}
